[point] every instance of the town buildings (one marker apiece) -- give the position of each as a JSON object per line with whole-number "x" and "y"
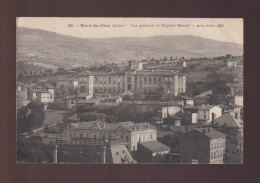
{"x": 230, "y": 123}
{"x": 91, "y": 151}
{"x": 205, "y": 145}
{"x": 133, "y": 80}
{"x": 126, "y": 132}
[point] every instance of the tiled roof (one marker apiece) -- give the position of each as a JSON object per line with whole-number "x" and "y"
{"x": 108, "y": 73}
{"x": 130, "y": 126}
{"x": 89, "y": 101}
{"x": 211, "y": 133}
{"x": 228, "y": 119}
{"x": 155, "y": 146}
{"x": 205, "y": 107}
{"x": 120, "y": 155}
{"x": 155, "y": 73}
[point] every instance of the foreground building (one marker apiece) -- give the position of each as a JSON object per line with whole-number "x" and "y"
{"x": 91, "y": 151}
{"x": 204, "y": 145}
{"x": 126, "y": 132}
{"x": 152, "y": 152}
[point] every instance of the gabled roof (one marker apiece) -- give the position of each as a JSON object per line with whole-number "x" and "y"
{"x": 121, "y": 126}
{"x": 228, "y": 119}
{"x": 205, "y": 107}
{"x": 211, "y": 133}
{"x": 155, "y": 73}
{"x": 155, "y": 146}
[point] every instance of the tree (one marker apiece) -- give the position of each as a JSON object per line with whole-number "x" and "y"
{"x": 30, "y": 117}
{"x": 92, "y": 116}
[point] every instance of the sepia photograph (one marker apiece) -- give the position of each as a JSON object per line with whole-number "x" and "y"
{"x": 129, "y": 90}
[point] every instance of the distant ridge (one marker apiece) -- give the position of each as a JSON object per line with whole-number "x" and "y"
{"x": 52, "y": 49}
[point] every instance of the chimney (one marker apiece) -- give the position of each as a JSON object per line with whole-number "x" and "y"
{"x": 55, "y": 156}
{"x": 204, "y": 131}
{"x": 135, "y": 127}
{"x": 148, "y": 126}
{"x": 130, "y": 65}
{"x": 236, "y": 115}
{"x": 213, "y": 118}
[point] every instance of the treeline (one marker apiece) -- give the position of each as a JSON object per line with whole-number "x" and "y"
{"x": 24, "y": 67}
{"x": 113, "y": 114}
{"x": 30, "y": 117}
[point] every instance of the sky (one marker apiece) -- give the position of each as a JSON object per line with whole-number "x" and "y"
{"x": 221, "y": 29}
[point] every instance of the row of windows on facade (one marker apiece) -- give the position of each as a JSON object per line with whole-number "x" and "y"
{"x": 134, "y": 86}
{"x": 74, "y": 135}
{"x": 217, "y": 145}
{"x": 118, "y": 91}
{"x": 216, "y": 154}
{"x": 141, "y": 137}
{"x": 129, "y": 79}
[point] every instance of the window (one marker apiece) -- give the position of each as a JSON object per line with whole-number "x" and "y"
{"x": 72, "y": 102}
{"x": 126, "y": 138}
{"x": 150, "y": 79}
{"x": 151, "y": 136}
{"x": 204, "y": 116}
{"x": 104, "y": 137}
{"x": 159, "y": 79}
{"x": 144, "y": 79}
{"x": 95, "y": 136}
{"x": 168, "y": 85}
{"x": 135, "y": 79}
{"x": 109, "y": 79}
{"x": 154, "y": 79}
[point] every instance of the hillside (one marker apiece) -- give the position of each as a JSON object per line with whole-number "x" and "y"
{"x": 49, "y": 49}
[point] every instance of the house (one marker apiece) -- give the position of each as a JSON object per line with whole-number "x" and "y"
{"x": 151, "y": 152}
{"x": 67, "y": 83}
{"x": 236, "y": 89}
{"x": 187, "y": 100}
{"x": 184, "y": 64}
{"x": 205, "y": 145}
{"x": 111, "y": 99}
{"x": 208, "y": 113}
{"x": 69, "y": 102}
{"x": 239, "y": 100}
{"x": 190, "y": 115}
{"x": 231, "y": 63}
{"x": 127, "y": 132}
{"x": 170, "y": 111}
{"x": 230, "y": 123}
{"x": 42, "y": 92}
{"x": 22, "y": 98}
{"x": 173, "y": 120}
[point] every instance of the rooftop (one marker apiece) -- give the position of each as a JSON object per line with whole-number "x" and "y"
{"x": 228, "y": 119}
{"x": 211, "y": 133}
{"x": 155, "y": 146}
{"x": 128, "y": 126}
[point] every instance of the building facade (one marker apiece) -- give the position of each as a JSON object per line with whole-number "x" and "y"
{"x": 205, "y": 145}
{"x": 126, "y": 132}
